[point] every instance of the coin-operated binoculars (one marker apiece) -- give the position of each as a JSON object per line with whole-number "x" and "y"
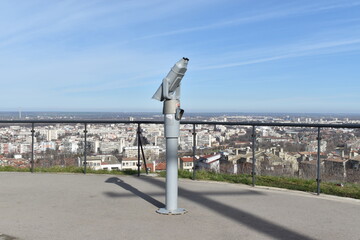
{"x": 169, "y": 93}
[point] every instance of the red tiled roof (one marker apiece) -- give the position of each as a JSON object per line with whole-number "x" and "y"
{"x": 161, "y": 166}
{"x": 186, "y": 159}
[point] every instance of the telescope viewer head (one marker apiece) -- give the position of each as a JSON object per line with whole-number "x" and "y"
{"x": 170, "y": 87}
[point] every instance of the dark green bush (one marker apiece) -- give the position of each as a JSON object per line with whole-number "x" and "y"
{"x": 306, "y": 185}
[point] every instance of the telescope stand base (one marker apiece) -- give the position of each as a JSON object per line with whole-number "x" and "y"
{"x": 164, "y": 211}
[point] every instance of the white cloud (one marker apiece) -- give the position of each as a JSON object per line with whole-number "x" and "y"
{"x": 21, "y": 23}
{"x": 290, "y": 51}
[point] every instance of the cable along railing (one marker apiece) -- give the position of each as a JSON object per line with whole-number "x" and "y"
{"x": 317, "y": 126}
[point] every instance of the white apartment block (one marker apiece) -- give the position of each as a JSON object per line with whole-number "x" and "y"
{"x": 130, "y": 152}
{"x": 129, "y": 163}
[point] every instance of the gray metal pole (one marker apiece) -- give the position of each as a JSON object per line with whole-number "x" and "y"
{"x": 172, "y": 132}
{"x": 253, "y": 173}
{"x": 194, "y": 151}
{"x": 32, "y": 146}
{"x": 171, "y": 174}
{"x": 169, "y": 93}
{"x": 138, "y": 145}
{"x": 318, "y": 165}
{"x": 85, "y": 146}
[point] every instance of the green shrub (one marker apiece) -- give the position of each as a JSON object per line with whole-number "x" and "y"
{"x": 13, "y": 169}
{"x": 306, "y": 185}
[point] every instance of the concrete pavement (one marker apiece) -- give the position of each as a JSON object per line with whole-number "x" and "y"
{"x": 75, "y": 206}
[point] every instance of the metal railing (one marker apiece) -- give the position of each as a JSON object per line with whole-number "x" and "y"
{"x": 317, "y": 126}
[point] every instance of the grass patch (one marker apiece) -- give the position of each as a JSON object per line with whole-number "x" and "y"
{"x": 13, "y": 169}
{"x": 348, "y": 190}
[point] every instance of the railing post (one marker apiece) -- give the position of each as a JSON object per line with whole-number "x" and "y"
{"x": 143, "y": 154}
{"x": 32, "y": 146}
{"x": 85, "y": 147}
{"x": 318, "y": 165}
{"x": 138, "y": 145}
{"x": 194, "y": 151}
{"x": 253, "y": 172}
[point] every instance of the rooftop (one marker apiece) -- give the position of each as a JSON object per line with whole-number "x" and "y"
{"x": 74, "y": 206}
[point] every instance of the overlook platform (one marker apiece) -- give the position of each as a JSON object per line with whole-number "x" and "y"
{"x": 74, "y": 206}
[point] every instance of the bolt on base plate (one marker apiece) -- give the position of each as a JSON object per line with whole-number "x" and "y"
{"x": 164, "y": 211}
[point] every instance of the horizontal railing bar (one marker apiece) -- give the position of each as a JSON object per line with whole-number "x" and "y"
{"x": 83, "y": 121}
{"x": 272, "y": 124}
{"x": 269, "y": 124}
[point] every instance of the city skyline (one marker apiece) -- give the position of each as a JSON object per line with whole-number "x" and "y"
{"x": 245, "y": 56}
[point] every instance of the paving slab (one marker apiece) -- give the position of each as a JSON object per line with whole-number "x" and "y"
{"x": 75, "y": 206}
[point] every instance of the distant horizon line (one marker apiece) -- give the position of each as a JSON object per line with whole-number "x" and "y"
{"x": 191, "y": 112}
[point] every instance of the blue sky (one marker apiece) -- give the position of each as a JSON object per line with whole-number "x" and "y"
{"x": 245, "y": 55}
